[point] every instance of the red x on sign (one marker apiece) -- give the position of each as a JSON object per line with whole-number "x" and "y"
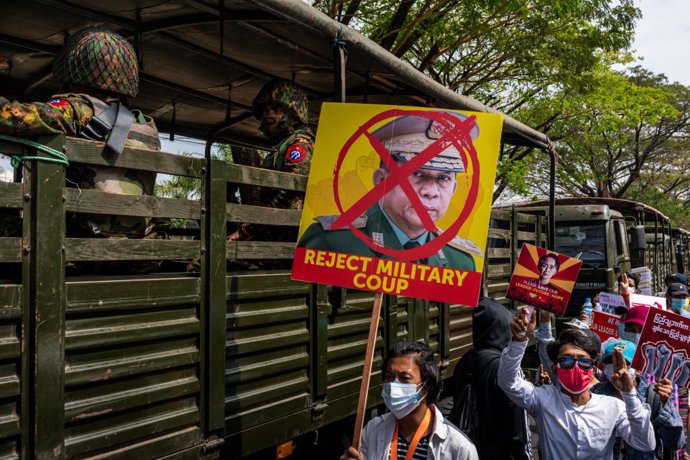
{"x": 454, "y": 133}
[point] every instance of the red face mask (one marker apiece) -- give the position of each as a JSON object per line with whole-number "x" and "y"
{"x": 575, "y": 380}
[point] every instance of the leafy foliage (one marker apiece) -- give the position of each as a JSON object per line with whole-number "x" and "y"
{"x": 626, "y": 138}
{"x": 500, "y": 52}
{"x": 184, "y": 187}
{"x": 607, "y": 135}
{"x": 549, "y": 64}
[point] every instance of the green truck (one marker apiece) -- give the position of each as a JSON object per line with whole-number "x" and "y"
{"x": 612, "y": 236}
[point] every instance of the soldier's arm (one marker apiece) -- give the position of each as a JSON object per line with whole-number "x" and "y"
{"x": 61, "y": 115}
{"x": 298, "y": 155}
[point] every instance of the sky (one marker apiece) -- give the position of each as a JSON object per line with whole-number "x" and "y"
{"x": 662, "y": 37}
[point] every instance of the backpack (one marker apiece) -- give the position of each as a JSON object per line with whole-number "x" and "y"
{"x": 140, "y": 133}
{"x": 468, "y": 412}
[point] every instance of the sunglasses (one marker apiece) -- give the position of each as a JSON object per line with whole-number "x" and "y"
{"x": 583, "y": 363}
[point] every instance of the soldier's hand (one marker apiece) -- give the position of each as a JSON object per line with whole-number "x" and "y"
{"x": 665, "y": 389}
{"x": 352, "y": 454}
{"x": 235, "y": 236}
{"x": 242, "y": 234}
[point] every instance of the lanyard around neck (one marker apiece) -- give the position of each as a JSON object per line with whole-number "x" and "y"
{"x": 415, "y": 439}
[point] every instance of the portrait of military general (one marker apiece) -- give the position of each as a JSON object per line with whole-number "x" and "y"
{"x": 397, "y": 221}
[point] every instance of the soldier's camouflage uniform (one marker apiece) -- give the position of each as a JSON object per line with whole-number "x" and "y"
{"x": 292, "y": 152}
{"x": 293, "y": 145}
{"x": 100, "y": 59}
{"x": 69, "y": 114}
{"x": 298, "y": 142}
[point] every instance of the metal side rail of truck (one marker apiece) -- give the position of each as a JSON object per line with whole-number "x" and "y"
{"x": 236, "y": 360}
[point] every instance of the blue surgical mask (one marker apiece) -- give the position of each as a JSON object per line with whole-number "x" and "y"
{"x": 401, "y": 398}
{"x": 679, "y": 305}
{"x": 633, "y": 337}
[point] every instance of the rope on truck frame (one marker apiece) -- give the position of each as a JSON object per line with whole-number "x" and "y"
{"x": 17, "y": 160}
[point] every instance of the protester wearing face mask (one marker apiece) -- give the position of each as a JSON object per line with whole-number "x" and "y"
{"x": 668, "y": 426}
{"x": 630, "y": 328}
{"x": 545, "y": 337}
{"x": 414, "y": 426}
{"x": 677, "y": 299}
{"x": 572, "y": 422}
{"x": 633, "y": 281}
{"x": 627, "y": 349}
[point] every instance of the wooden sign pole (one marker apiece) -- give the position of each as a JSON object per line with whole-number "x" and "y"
{"x": 366, "y": 373}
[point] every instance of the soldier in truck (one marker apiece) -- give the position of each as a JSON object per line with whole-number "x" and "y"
{"x": 99, "y": 69}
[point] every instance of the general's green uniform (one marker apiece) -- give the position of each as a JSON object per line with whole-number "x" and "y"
{"x": 374, "y": 224}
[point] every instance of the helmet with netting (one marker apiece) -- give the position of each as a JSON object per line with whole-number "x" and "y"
{"x": 98, "y": 58}
{"x": 285, "y": 94}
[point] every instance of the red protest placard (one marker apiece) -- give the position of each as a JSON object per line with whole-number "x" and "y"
{"x": 663, "y": 348}
{"x": 543, "y": 279}
{"x": 605, "y": 325}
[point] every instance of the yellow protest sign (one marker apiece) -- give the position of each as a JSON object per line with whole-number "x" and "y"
{"x": 399, "y": 200}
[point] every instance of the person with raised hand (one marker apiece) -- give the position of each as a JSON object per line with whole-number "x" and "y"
{"x": 571, "y": 421}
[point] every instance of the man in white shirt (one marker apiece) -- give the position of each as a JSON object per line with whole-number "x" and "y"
{"x": 572, "y": 422}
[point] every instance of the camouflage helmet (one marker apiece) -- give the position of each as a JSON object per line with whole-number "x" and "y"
{"x": 98, "y": 58}
{"x": 285, "y": 94}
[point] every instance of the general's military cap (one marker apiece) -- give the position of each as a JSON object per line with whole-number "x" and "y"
{"x": 408, "y": 135}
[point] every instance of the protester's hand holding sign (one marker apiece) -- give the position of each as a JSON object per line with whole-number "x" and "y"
{"x": 352, "y": 454}
{"x": 621, "y": 377}
{"x": 523, "y": 325}
{"x": 398, "y": 202}
{"x": 664, "y": 389}
{"x": 543, "y": 279}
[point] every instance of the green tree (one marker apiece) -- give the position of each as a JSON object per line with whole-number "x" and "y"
{"x": 500, "y": 52}
{"x": 626, "y": 138}
{"x": 181, "y": 187}
{"x": 511, "y": 55}
{"x": 607, "y": 136}
{"x": 185, "y": 187}
{"x": 665, "y": 182}
{"x": 189, "y": 188}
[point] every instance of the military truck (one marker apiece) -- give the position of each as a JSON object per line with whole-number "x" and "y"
{"x": 612, "y": 236}
{"x": 236, "y": 360}
{"x": 681, "y": 238}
